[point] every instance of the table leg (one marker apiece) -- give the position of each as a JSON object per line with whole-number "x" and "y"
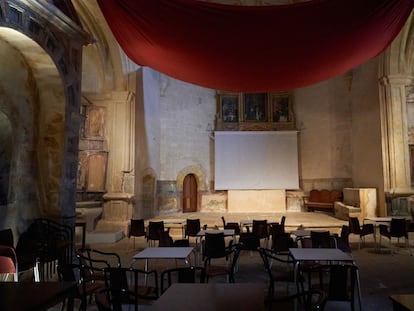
{"x": 296, "y": 277}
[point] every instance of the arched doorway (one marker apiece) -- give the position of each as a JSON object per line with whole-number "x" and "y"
{"x": 190, "y": 194}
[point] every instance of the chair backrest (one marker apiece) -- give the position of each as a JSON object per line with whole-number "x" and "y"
{"x": 276, "y": 228}
{"x": 354, "y": 225}
{"x": 182, "y": 275}
{"x": 214, "y": 246}
{"x": 165, "y": 239}
{"x": 249, "y": 241}
{"x": 126, "y": 286}
{"x": 398, "y": 227}
{"x": 98, "y": 259}
{"x": 192, "y": 227}
{"x": 305, "y": 242}
{"x": 343, "y": 239}
{"x": 282, "y": 242}
{"x": 231, "y": 225}
{"x": 342, "y": 284}
{"x": 8, "y": 261}
{"x": 283, "y": 221}
{"x": 6, "y": 237}
{"x": 137, "y": 228}
{"x": 155, "y": 228}
{"x": 322, "y": 239}
{"x": 259, "y": 228}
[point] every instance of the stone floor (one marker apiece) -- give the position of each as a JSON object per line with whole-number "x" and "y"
{"x": 381, "y": 273}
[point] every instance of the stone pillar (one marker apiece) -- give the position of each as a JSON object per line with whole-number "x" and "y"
{"x": 394, "y": 134}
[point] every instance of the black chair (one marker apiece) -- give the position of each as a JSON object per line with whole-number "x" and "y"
{"x": 340, "y": 282}
{"x": 136, "y": 229}
{"x": 192, "y": 227}
{"x": 397, "y": 229}
{"x": 343, "y": 240}
{"x": 182, "y": 275}
{"x": 104, "y": 300}
{"x": 249, "y": 241}
{"x": 214, "y": 250}
{"x": 279, "y": 270}
{"x": 281, "y": 242}
{"x": 155, "y": 229}
{"x": 323, "y": 239}
{"x": 126, "y": 286}
{"x": 259, "y": 229}
{"x": 231, "y": 225}
{"x": 167, "y": 241}
{"x": 309, "y": 300}
{"x": 85, "y": 286}
{"x": 95, "y": 261}
{"x": 361, "y": 231}
{"x": 276, "y": 227}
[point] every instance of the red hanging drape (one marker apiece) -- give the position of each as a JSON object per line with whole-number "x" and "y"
{"x": 254, "y": 48}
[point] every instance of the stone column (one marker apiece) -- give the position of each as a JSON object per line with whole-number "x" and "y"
{"x": 119, "y": 133}
{"x": 394, "y": 134}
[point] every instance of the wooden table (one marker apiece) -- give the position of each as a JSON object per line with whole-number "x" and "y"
{"x": 403, "y": 302}
{"x": 35, "y": 296}
{"x": 212, "y": 296}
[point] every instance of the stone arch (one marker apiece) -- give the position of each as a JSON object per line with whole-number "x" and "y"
{"x": 149, "y": 194}
{"x": 51, "y": 46}
{"x": 200, "y": 177}
{"x": 396, "y": 72}
{"x": 198, "y": 172}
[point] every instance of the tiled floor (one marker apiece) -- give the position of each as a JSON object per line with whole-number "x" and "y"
{"x": 381, "y": 273}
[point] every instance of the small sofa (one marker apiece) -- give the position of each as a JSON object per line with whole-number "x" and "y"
{"x": 323, "y": 200}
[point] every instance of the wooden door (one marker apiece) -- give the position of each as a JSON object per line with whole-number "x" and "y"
{"x": 189, "y": 194}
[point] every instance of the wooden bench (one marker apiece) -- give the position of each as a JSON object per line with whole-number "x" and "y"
{"x": 321, "y": 200}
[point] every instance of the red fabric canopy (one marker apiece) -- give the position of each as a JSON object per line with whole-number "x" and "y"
{"x": 254, "y": 48}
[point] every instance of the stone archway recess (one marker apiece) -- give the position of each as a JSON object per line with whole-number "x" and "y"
{"x": 60, "y": 39}
{"x": 200, "y": 177}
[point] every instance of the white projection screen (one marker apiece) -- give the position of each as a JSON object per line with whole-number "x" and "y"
{"x": 256, "y": 160}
